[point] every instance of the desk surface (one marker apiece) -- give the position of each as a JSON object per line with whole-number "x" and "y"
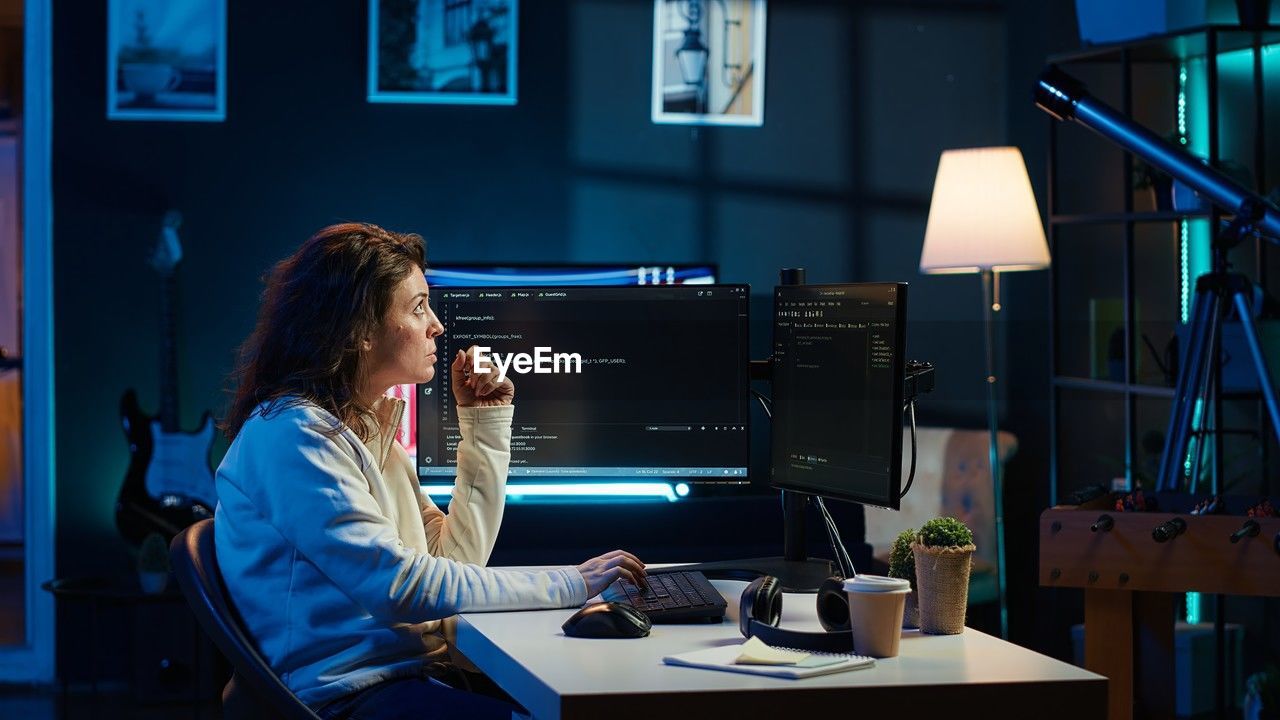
{"x": 560, "y": 677}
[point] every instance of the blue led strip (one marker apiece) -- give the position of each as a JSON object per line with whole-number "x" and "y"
{"x": 1184, "y": 261}
{"x": 1184, "y": 291}
{"x": 599, "y": 472}
{"x": 630, "y": 491}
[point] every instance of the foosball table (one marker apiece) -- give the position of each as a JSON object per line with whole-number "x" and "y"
{"x": 1134, "y": 556}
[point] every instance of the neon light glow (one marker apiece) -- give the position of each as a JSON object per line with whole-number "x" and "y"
{"x": 592, "y": 491}
{"x": 1194, "y": 247}
{"x": 1184, "y": 263}
{"x": 1182, "y": 103}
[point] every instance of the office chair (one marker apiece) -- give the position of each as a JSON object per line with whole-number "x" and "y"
{"x": 952, "y": 480}
{"x": 254, "y": 690}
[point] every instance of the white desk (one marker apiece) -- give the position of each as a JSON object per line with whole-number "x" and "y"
{"x": 559, "y": 677}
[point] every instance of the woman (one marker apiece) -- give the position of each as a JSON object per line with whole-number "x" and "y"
{"x": 341, "y": 569}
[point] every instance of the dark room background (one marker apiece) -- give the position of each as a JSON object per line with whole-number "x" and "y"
{"x": 860, "y": 99}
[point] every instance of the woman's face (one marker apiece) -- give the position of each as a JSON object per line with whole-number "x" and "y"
{"x": 404, "y": 349}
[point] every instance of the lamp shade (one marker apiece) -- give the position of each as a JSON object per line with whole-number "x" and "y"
{"x": 983, "y": 215}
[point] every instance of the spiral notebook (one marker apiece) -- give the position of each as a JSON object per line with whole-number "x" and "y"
{"x": 725, "y": 657}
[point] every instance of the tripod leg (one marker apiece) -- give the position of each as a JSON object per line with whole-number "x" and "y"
{"x": 1259, "y": 362}
{"x": 1204, "y": 397}
{"x": 1207, "y": 434}
{"x": 1190, "y": 382}
{"x": 1205, "y": 400}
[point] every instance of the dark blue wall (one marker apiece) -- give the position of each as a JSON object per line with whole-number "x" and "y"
{"x": 861, "y": 97}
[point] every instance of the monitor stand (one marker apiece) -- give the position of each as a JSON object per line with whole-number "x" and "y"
{"x": 796, "y": 572}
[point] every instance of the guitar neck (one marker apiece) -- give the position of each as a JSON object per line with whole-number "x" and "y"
{"x": 168, "y": 355}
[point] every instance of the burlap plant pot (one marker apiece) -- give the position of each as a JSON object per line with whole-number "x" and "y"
{"x": 942, "y": 578}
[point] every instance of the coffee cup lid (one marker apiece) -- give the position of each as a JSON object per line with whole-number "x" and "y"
{"x": 875, "y": 583}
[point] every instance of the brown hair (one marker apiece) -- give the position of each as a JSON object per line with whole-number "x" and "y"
{"x": 318, "y": 305}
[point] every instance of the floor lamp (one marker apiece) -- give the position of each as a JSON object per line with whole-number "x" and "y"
{"x": 983, "y": 219}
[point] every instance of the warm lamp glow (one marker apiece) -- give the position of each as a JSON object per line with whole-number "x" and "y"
{"x": 983, "y": 218}
{"x": 983, "y": 215}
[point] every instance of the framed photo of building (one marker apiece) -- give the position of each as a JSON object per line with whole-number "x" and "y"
{"x": 166, "y": 60}
{"x": 708, "y": 62}
{"x": 443, "y": 51}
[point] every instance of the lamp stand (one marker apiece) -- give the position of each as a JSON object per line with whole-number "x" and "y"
{"x": 988, "y": 306}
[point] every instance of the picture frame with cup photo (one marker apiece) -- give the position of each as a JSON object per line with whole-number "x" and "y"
{"x": 166, "y": 60}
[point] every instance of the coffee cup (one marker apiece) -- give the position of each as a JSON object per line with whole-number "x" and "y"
{"x": 876, "y": 605}
{"x": 146, "y": 80}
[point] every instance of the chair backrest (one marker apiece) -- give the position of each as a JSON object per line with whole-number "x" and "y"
{"x": 196, "y": 567}
{"x": 953, "y": 478}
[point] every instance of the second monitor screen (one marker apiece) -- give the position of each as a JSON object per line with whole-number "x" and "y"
{"x": 630, "y": 382}
{"x": 837, "y": 390}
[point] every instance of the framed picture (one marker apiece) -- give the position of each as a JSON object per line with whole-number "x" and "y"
{"x": 708, "y": 62}
{"x": 166, "y": 60}
{"x": 443, "y": 51}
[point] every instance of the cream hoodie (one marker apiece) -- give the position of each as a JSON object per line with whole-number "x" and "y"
{"x": 341, "y": 569}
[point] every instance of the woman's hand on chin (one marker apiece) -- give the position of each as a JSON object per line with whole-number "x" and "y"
{"x": 472, "y": 389}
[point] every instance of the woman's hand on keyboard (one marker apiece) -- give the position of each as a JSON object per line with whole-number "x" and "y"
{"x": 600, "y": 572}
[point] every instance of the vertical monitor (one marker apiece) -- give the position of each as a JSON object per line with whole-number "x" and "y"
{"x": 612, "y": 383}
{"x": 838, "y": 390}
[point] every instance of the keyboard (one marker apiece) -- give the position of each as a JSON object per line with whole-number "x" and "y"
{"x": 673, "y": 596}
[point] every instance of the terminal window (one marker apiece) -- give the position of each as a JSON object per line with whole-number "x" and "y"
{"x": 659, "y": 387}
{"x": 838, "y": 390}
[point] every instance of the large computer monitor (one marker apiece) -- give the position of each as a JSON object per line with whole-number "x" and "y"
{"x": 486, "y": 275}
{"x": 838, "y": 390}
{"x": 660, "y": 390}
{"x": 473, "y": 274}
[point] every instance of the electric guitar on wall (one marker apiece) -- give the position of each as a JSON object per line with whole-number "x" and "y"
{"x": 169, "y": 484}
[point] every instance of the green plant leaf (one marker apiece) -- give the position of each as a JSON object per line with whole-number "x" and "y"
{"x": 945, "y": 532}
{"x": 902, "y": 562}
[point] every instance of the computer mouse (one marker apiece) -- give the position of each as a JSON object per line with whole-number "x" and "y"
{"x": 607, "y": 620}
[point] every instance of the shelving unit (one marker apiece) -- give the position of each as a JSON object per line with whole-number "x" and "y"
{"x": 1123, "y": 274}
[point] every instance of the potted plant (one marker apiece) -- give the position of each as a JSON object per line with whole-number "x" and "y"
{"x": 943, "y": 551}
{"x": 902, "y": 564}
{"x": 153, "y": 564}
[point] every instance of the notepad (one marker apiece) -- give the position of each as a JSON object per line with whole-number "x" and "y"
{"x": 755, "y": 652}
{"x": 725, "y": 658}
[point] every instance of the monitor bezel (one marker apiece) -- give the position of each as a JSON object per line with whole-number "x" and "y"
{"x": 899, "y": 375}
{"x": 741, "y": 481}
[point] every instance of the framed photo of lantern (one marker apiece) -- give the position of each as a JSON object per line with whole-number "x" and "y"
{"x": 708, "y": 62}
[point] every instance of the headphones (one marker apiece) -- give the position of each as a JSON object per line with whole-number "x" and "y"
{"x": 760, "y": 609}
